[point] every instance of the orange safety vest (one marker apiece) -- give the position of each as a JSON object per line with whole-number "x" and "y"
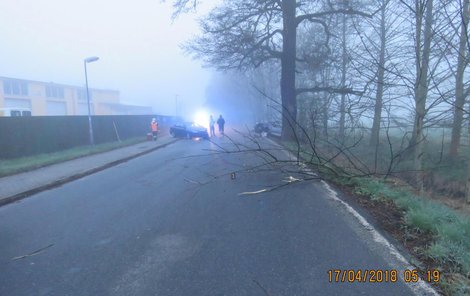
{"x": 154, "y": 126}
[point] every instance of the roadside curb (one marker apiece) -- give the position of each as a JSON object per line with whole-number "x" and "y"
{"x": 24, "y": 194}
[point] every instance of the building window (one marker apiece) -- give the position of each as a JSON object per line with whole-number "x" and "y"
{"x": 83, "y": 109}
{"x": 15, "y": 87}
{"x": 54, "y": 92}
{"x": 56, "y": 108}
{"x": 81, "y": 94}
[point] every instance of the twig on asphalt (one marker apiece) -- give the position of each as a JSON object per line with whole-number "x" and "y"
{"x": 192, "y": 181}
{"x": 289, "y": 180}
{"x": 254, "y": 192}
{"x": 33, "y": 253}
{"x": 261, "y": 287}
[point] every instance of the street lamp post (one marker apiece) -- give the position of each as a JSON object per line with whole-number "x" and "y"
{"x": 90, "y": 126}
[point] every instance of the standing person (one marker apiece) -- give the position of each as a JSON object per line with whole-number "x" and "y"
{"x": 154, "y": 127}
{"x": 211, "y": 126}
{"x": 221, "y": 123}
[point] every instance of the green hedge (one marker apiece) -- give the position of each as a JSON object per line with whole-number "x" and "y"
{"x": 26, "y": 136}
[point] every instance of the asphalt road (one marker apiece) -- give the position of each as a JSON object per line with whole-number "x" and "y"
{"x": 174, "y": 223}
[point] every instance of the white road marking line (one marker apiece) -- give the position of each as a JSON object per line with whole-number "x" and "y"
{"x": 420, "y": 287}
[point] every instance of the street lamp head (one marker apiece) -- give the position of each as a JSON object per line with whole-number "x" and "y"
{"x": 91, "y": 59}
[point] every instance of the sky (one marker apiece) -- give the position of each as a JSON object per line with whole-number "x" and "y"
{"x": 137, "y": 42}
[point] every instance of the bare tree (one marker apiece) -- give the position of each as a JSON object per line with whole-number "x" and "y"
{"x": 460, "y": 92}
{"x": 424, "y": 14}
{"x": 375, "y": 132}
{"x": 344, "y": 64}
{"x": 379, "y": 61}
{"x": 242, "y": 34}
{"x": 320, "y": 65}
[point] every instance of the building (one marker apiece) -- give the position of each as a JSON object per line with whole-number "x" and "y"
{"x": 17, "y": 96}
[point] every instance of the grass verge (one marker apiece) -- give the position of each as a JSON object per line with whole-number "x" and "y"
{"x": 23, "y": 164}
{"x": 449, "y": 251}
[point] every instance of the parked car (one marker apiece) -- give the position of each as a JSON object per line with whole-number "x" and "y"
{"x": 270, "y": 128}
{"x": 262, "y": 127}
{"x": 189, "y": 130}
{"x": 275, "y": 128}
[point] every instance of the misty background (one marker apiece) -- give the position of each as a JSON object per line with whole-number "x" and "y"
{"x": 137, "y": 42}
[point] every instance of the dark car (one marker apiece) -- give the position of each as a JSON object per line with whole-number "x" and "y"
{"x": 262, "y": 127}
{"x": 189, "y": 130}
{"x": 272, "y": 128}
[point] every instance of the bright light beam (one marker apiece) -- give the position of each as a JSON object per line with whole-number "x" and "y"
{"x": 202, "y": 118}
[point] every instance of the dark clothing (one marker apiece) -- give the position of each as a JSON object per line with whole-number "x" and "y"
{"x": 221, "y": 123}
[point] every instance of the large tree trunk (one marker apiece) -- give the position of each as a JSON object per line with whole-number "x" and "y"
{"x": 459, "y": 84}
{"x": 375, "y": 133}
{"x": 421, "y": 91}
{"x": 288, "y": 91}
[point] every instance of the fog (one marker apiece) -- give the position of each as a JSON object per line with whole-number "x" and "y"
{"x": 136, "y": 41}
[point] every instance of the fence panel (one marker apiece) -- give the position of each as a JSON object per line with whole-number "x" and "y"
{"x": 25, "y": 136}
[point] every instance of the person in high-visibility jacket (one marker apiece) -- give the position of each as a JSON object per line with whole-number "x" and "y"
{"x": 154, "y": 127}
